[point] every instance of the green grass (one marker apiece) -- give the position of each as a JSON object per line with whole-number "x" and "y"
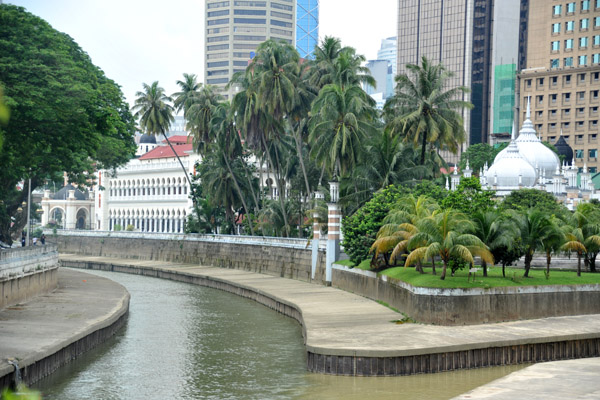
{"x": 514, "y": 277}
{"x": 365, "y": 264}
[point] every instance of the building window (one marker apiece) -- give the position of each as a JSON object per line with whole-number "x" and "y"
{"x": 570, "y": 8}
{"x": 569, "y": 44}
{"x": 220, "y": 21}
{"x": 581, "y": 77}
{"x": 584, "y": 24}
{"x": 555, "y": 45}
{"x": 579, "y": 124}
{"x": 568, "y": 77}
{"x": 592, "y": 170}
{"x": 219, "y": 13}
{"x": 566, "y": 112}
{"x": 596, "y": 40}
{"x": 593, "y": 110}
{"x": 583, "y": 60}
{"x": 580, "y": 111}
{"x": 593, "y": 153}
{"x": 540, "y": 99}
{"x": 250, "y": 21}
{"x": 554, "y": 80}
{"x": 566, "y": 97}
{"x": 569, "y": 25}
{"x": 585, "y": 5}
{"x": 596, "y": 22}
{"x": 250, "y": 12}
{"x": 583, "y": 42}
{"x": 596, "y": 75}
{"x": 553, "y": 98}
{"x": 594, "y": 94}
{"x": 579, "y": 153}
{"x": 568, "y": 62}
{"x": 556, "y": 10}
{"x": 555, "y": 28}
{"x": 555, "y": 63}
{"x": 528, "y": 83}
{"x": 596, "y": 58}
{"x": 594, "y": 124}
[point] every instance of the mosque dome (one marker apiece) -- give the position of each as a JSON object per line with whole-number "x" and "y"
{"x": 148, "y": 139}
{"x": 512, "y": 170}
{"x": 564, "y": 149}
{"x": 63, "y": 193}
{"x": 532, "y": 148}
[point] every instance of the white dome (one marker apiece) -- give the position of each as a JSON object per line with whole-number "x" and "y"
{"x": 532, "y": 148}
{"x": 512, "y": 170}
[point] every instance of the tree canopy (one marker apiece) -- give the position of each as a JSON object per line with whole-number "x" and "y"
{"x": 65, "y": 114}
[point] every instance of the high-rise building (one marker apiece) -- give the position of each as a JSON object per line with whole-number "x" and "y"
{"x": 235, "y": 28}
{"x": 307, "y": 27}
{"x": 561, "y": 75}
{"x": 389, "y": 51}
{"x": 460, "y": 35}
{"x": 381, "y": 71}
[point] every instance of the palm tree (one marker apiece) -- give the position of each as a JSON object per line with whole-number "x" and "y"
{"x": 189, "y": 90}
{"x": 423, "y": 111}
{"x": 553, "y": 242}
{"x": 442, "y": 235}
{"x": 533, "y": 226}
{"x": 581, "y": 233}
{"x": 489, "y": 226}
{"x": 199, "y": 114}
{"x": 155, "y": 115}
{"x": 342, "y": 120}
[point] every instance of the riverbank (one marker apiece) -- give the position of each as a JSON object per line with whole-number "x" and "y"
{"x": 346, "y": 334}
{"x": 50, "y": 330}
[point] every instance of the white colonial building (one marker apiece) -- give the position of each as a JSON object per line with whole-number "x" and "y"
{"x": 150, "y": 193}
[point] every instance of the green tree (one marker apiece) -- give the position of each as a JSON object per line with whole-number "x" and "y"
{"x": 524, "y": 199}
{"x": 443, "y": 235}
{"x": 469, "y": 197}
{"x": 155, "y": 114}
{"x": 534, "y": 227}
{"x": 65, "y": 114}
{"x": 423, "y": 111}
{"x": 490, "y": 227}
{"x": 552, "y": 242}
{"x": 478, "y": 155}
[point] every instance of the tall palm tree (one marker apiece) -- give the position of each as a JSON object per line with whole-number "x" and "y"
{"x": 581, "y": 233}
{"x": 553, "y": 242}
{"x": 443, "y": 235}
{"x": 199, "y": 114}
{"x": 342, "y": 120}
{"x": 424, "y": 111}
{"x": 155, "y": 114}
{"x": 189, "y": 89}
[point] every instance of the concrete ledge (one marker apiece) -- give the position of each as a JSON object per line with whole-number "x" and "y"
{"x": 470, "y": 306}
{"x": 50, "y": 331}
{"x": 28, "y": 286}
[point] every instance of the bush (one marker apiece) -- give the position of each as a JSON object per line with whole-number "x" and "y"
{"x": 360, "y": 228}
{"x": 130, "y": 228}
{"x": 38, "y": 232}
{"x": 117, "y": 227}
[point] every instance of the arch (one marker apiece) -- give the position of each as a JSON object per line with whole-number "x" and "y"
{"x": 57, "y": 215}
{"x": 82, "y": 218}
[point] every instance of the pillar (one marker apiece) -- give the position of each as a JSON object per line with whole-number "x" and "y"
{"x": 333, "y": 229}
{"x": 316, "y": 235}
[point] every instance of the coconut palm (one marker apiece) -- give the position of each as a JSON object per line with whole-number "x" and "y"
{"x": 155, "y": 114}
{"x": 533, "y": 227}
{"x": 443, "y": 235}
{"x": 581, "y": 233}
{"x": 199, "y": 114}
{"x": 489, "y": 226}
{"x": 423, "y": 111}
{"x": 552, "y": 242}
{"x": 342, "y": 120}
{"x": 189, "y": 90}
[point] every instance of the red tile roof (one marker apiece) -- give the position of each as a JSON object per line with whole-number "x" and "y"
{"x": 179, "y": 139}
{"x": 166, "y": 152}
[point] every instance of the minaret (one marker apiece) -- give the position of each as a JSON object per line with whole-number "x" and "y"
{"x": 455, "y": 179}
{"x": 468, "y": 171}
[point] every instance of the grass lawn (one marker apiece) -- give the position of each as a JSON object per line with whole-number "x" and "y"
{"x": 514, "y": 277}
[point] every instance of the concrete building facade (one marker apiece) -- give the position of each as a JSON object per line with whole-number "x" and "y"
{"x": 235, "y": 28}
{"x": 561, "y": 75}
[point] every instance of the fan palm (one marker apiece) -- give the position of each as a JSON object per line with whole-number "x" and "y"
{"x": 423, "y": 112}
{"x": 442, "y": 235}
{"x": 155, "y": 114}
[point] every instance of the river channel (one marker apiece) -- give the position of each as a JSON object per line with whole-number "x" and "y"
{"x": 183, "y": 341}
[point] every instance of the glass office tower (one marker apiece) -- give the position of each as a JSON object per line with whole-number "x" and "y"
{"x": 307, "y": 27}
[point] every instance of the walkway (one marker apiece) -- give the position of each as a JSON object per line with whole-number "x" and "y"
{"x": 82, "y": 305}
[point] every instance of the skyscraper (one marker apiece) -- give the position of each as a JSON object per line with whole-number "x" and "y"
{"x": 458, "y": 34}
{"x": 307, "y": 27}
{"x": 389, "y": 51}
{"x": 235, "y": 28}
{"x": 561, "y": 75}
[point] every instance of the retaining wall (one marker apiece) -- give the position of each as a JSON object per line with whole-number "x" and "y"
{"x": 287, "y": 258}
{"x": 470, "y": 306}
{"x": 26, "y": 272}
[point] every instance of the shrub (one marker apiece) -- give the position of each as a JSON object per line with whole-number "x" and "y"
{"x": 360, "y": 228}
{"x": 118, "y": 227}
{"x": 130, "y": 228}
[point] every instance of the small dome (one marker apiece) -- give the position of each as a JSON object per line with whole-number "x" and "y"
{"x": 564, "y": 149}
{"x": 63, "y": 193}
{"x": 148, "y": 139}
{"x": 532, "y": 148}
{"x": 512, "y": 170}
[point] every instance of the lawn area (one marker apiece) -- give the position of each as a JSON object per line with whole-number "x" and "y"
{"x": 514, "y": 277}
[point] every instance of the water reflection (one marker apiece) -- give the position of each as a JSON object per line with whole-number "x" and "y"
{"x": 189, "y": 342}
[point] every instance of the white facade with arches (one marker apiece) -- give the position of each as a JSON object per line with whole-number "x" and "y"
{"x": 148, "y": 194}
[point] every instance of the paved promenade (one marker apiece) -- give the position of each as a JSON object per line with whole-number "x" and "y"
{"x": 82, "y": 304}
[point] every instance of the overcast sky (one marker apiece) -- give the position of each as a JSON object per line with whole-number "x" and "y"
{"x": 136, "y": 41}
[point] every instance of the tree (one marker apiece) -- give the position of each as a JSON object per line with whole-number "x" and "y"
{"x": 478, "y": 155}
{"x": 534, "y": 227}
{"x": 552, "y": 242}
{"x": 469, "y": 197}
{"x": 155, "y": 114}
{"x": 443, "y": 235}
{"x": 582, "y": 234}
{"x": 189, "y": 90}
{"x": 65, "y": 114}
{"x": 490, "y": 228}
{"x": 423, "y": 112}
{"x": 524, "y": 199}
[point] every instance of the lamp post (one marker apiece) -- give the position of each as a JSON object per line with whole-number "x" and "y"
{"x": 28, "y": 211}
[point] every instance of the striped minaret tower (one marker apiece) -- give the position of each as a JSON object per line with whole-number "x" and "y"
{"x": 333, "y": 228}
{"x": 316, "y": 233}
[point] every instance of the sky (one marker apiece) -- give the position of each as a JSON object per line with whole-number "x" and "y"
{"x": 141, "y": 41}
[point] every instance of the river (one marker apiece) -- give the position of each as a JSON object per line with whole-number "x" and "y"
{"x": 183, "y": 341}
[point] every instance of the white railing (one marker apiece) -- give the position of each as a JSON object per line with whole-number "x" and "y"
{"x": 240, "y": 239}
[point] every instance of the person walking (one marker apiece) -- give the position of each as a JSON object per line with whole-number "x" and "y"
{"x": 23, "y": 239}
{"x": 43, "y": 239}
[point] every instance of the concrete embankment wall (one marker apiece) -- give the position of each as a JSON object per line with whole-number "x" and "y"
{"x": 287, "y": 258}
{"x": 470, "y": 306}
{"x": 26, "y": 272}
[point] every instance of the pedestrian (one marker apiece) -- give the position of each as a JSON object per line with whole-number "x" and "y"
{"x": 34, "y": 241}
{"x": 23, "y": 239}
{"x": 43, "y": 239}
